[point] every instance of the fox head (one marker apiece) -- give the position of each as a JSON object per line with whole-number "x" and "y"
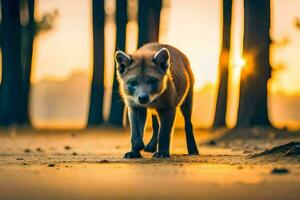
{"x": 142, "y": 75}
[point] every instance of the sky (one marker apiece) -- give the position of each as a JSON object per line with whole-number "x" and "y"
{"x": 68, "y": 46}
{"x": 193, "y": 26}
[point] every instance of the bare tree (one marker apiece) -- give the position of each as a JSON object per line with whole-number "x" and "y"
{"x": 11, "y": 87}
{"x": 27, "y": 61}
{"x": 148, "y": 21}
{"x": 221, "y": 106}
{"x": 97, "y": 89}
{"x": 253, "y": 103}
{"x": 117, "y": 105}
{"x": 26, "y": 35}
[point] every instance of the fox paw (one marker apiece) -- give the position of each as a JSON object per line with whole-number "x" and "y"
{"x": 161, "y": 155}
{"x": 132, "y": 154}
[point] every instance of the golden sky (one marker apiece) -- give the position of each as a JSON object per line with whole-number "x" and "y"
{"x": 191, "y": 25}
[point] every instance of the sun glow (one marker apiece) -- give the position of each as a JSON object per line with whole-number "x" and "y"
{"x": 239, "y": 63}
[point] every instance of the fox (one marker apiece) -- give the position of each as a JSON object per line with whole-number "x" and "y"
{"x": 156, "y": 77}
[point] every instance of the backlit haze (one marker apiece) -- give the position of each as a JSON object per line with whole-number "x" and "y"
{"x": 193, "y": 26}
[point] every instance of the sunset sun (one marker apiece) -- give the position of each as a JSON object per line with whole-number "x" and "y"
{"x": 239, "y": 63}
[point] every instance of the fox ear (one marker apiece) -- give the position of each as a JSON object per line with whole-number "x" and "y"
{"x": 162, "y": 59}
{"x": 123, "y": 60}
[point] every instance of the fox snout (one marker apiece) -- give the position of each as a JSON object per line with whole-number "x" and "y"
{"x": 143, "y": 98}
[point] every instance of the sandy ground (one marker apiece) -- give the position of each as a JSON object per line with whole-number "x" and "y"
{"x": 89, "y": 165}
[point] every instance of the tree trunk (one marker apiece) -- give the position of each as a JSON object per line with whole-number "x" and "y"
{"x": 1, "y": 69}
{"x": 117, "y": 105}
{"x": 148, "y": 21}
{"x": 11, "y": 88}
{"x": 221, "y": 106}
{"x": 97, "y": 89}
{"x": 253, "y": 104}
{"x": 30, "y": 33}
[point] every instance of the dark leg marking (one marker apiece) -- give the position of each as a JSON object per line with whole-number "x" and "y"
{"x": 186, "y": 109}
{"x": 137, "y": 119}
{"x": 166, "y": 118}
{"x": 152, "y": 145}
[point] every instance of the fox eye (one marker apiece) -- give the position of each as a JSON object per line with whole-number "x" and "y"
{"x": 152, "y": 81}
{"x": 132, "y": 83}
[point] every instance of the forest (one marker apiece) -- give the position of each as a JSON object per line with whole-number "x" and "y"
{"x": 68, "y": 135}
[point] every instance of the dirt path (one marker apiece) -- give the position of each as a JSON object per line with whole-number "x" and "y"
{"x": 89, "y": 165}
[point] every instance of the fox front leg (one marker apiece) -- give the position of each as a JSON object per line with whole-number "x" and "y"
{"x": 166, "y": 118}
{"x": 137, "y": 119}
{"x": 152, "y": 145}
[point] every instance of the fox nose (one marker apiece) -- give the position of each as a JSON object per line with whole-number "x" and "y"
{"x": 144, "y": 98}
